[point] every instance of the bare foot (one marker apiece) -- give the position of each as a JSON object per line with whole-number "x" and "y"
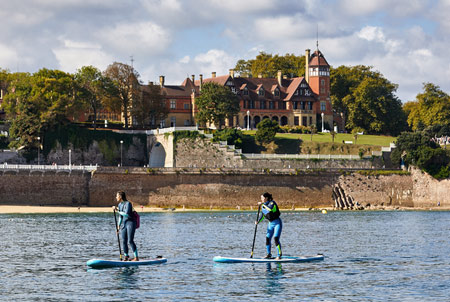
{"x": 135, "y": 259}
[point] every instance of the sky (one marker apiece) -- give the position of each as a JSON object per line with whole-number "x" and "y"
{"x": 408, "y": 41}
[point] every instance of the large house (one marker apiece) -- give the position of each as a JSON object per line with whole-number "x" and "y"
{"x": 289, "y": 101}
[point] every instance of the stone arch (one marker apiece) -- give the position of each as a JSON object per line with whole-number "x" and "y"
{"x": 284, "y": 121}
{"x": 157, "y": 156}
{"x": 256, "y": 120}
{"x": 275, "y": 118}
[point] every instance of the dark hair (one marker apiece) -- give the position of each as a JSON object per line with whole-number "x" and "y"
{"x": 268, "y": 195}
{"x": 122, "y": 195}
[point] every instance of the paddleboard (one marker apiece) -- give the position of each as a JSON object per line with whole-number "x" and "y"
{"x": 101, "y": 263}
{"x": 284, "y": 259}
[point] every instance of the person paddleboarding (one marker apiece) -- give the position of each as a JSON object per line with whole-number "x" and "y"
{"x": 127, "y": 226}
{"x": 271, "y": 211}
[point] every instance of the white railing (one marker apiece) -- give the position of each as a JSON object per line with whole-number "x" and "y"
{"x": 49, "y": 167}
{"x": 299, "y": 156}
{"x": 158, "y": 131}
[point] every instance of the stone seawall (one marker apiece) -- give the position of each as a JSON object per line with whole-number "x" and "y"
{"x": 62, "y": 188}
{"x": 219, "y": 189}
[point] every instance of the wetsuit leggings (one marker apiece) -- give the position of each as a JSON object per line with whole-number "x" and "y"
{"x": 127, "y": 235}
{"x": 274, "y": 228}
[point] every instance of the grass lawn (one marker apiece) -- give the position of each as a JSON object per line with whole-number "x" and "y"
{"x": 321, "y": 143}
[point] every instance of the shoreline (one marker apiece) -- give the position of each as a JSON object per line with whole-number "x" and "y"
{"x": 22, "y": 209}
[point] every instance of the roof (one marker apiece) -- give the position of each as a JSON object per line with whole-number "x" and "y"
{"x": 317, "y": 59}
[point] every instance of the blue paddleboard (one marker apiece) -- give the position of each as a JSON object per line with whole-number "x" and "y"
{"x": 284, "y": 259}
{"x": 100, "y": 263}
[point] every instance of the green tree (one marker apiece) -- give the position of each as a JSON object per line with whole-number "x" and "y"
{"x": 94, "y": 89}
{"x": 367, "y": 100}
{"x": 215, "y": 104}
{"x": 126, "y": 80}
{"x": 268, "y": 65}
{"x": 38, "y": 102}
{"x": 149, "y": 106}
{"x": 267, "y": 129}
{"x": 431, "y": 107}
{"x": 231, "y": 135}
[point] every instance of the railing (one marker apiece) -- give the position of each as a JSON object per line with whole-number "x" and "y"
{"x": 158, "y": 131}
{"x": 301, "y": 156}
{"x": 49, "y": 167}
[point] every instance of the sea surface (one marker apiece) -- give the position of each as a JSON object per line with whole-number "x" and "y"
{"x": 369, "y": 256}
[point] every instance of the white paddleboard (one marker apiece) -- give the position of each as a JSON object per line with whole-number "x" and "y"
{"x": 284, "y": 259}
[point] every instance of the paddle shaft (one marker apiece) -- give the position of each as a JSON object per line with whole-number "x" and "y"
{"x": 256, "y": 227}
{"x": 117, "y": 232}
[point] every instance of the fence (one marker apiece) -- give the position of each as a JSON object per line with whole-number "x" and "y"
{"x": 301, "y": 156}
{"x": 49, "y": 167}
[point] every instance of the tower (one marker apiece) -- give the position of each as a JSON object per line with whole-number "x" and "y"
{"x": 318, "y": 77}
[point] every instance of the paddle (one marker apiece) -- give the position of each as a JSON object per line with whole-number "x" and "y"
{"x": 256, "y": 227}
{"x": 117, "y": 232}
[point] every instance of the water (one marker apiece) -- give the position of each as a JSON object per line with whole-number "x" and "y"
{"x": 370, "y": 256}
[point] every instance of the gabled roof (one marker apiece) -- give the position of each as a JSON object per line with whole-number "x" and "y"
{"x": 317, "y": 59}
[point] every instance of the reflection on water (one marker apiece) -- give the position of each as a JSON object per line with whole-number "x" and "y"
{"x": 369, "y": 256}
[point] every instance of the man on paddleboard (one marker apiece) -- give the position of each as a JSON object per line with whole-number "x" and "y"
{"x": 271, "y": 211}
{"x": 127, "y": 226}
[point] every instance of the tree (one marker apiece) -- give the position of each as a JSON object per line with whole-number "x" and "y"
{"x": 125, "y": 78}
{"x": 367, "y": 100}
{"x": 430, "y": 108}
{"x": 93, "y": 89}
{"x": 38, "y": 102}
{"x": 267, "y": 129}
{"x": 149, "y": 106}
{"x": 268, "y": 65}
{"x": 216, "y": 103}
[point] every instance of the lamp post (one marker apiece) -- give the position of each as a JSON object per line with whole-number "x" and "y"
{"x": 322, "y": 120}
{"x": 248, "y": 120}
{"x": 39, "y": 147}
{"x": 121, "y": 147}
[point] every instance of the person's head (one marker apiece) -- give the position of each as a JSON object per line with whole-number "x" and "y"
{"x": 266, "y": 197}
{"x": 120, "y": 196}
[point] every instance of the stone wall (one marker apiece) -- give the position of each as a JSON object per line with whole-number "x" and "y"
{"x": 218, "y": 190}
{"x": 63, "y": 188}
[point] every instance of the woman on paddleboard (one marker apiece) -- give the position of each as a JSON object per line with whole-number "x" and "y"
{"x": 127, "y": 226}
{"x": 271, "y": 211}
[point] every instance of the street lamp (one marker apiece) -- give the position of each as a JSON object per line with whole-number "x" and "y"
{"x": 322, "y": 120}
{"x": 248, "y": 120}
{"x": 121, "y": 145}
{"x": 39, "y": 147}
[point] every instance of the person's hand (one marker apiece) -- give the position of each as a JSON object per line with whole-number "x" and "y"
{"x": 114, "y": 207}
{"x": 256, "y": 222}
{"x": 259, "y": 203}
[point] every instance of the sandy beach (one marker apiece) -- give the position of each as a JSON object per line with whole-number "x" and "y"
{"x": 16, "y": 209}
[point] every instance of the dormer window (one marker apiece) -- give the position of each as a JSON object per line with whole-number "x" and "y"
{"x": 245, "y": 91}
{"x": 276, "y": 92}
{"x": 261, "y": 92}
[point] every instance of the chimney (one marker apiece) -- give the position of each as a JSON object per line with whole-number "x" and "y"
{"x": 307, "y": 56}
{"x": 201, "y": 81}
{"x": 161, "y": 81}
{"x": 279, "y": 77}
{"x": 213, "y": 74}
{"x": 259, "y": 75}
{"x": 193, "y": 78}
{"x": 232, "y": 73}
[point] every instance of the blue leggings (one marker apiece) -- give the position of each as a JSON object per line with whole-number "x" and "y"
{"x": 127, "y": 235}
{"x": 274, "y": 228}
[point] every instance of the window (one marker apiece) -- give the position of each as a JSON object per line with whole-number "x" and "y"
{"x": 173, "y": 104}
{"x": 310, "y": 104}
{"x": 302, "y": 105}
{"x": 295, "y": 105}
{"x": 276, "y": 92}
{"x": 271, "y": 105}
{"x": 262, "y": 105}
{"x": 252, "y": 104}
{"x": 162, "y": 124}
{"x": 245, "y": 91}
{"x": 310, "y": 120}
{"x": 261, "y": 92}
{"x": 173, "y": 121}
{"x": 323, "y": 106}
{"x": 296, "y": 120}
{"x": 186, "y": 105}
{"x": 187, "y": 122}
